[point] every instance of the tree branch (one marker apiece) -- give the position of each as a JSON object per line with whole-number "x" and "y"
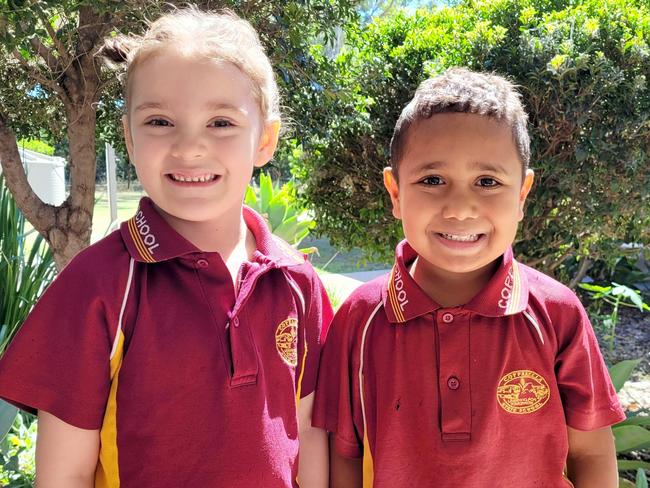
{"x": 46, "y": 53}
{"x": 37, "y": 75}
{"x": 41, "y": 215}
{"x": 63, "y": 53}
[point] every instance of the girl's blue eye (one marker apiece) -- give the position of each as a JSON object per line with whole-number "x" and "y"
{"x": 221, "y": 123}
{"x": 432, "y": 180}
{"x": 159, "y": 123}
{"x": 487, "y": 182}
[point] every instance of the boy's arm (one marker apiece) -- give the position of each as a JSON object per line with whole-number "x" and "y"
{"x": 313, "y": 462}
{"x": 592, "y": 458}
{"x": 344, "y": 472}
{"x": 65, "y": 455}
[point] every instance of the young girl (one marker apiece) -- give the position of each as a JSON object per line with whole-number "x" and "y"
{"x": 181, "y": 350}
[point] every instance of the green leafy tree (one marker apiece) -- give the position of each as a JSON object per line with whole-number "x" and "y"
{"x": 53, "y": 83}
{"x": 583, "y": 69}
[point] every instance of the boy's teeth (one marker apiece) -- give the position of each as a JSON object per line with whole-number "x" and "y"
{"x": 465, "y": 238}
{"x": 193, "y": 179}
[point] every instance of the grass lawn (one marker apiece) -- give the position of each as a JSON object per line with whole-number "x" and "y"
{"x": 127, "y": 203}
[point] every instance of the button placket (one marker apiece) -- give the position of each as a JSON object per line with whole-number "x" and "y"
{"x": 455, "y": 400}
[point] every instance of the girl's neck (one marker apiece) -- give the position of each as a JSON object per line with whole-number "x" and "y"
{"x": 229, "y": 236}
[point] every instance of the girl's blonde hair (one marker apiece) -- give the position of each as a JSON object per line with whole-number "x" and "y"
{"x": 221, "y": 36}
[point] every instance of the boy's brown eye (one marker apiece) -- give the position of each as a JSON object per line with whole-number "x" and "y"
{"x": 432, "y": 180}
{"x": 487, "y": 182}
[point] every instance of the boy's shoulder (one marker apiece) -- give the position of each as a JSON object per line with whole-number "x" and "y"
{"x": 366, "y": 297}
{"x": 549, "y": 292}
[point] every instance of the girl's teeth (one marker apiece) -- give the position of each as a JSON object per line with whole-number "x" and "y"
{"x": 193, "y": 179}
{"x": 465, "y": 238}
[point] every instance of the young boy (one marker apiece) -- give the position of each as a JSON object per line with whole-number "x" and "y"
{"x": 464, "y": 367}
{"x": 182, "y": 350}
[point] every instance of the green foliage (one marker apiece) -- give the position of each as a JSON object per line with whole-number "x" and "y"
{"x": 17, "y": 453}
{"x": 278, "y": 205}
{"x": 615, "y": 296}
{"x": 632, "y": 434}
{"x": 26, "y": 267}
{"x": 583, "y": 69}
{"x": 36, "y": 145}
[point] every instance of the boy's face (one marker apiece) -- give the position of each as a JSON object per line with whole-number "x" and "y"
{"x": 460, "y": 194}
{"x": 194, "y": 133}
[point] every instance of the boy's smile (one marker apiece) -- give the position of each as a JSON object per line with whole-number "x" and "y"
{"x": 460, "y": 197}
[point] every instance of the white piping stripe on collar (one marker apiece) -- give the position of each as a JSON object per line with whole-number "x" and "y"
{"x": 533, "y": 321}
{"x": 126, "y": 295}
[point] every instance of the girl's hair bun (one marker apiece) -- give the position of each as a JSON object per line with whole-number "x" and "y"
{"x": 116, "y": 49}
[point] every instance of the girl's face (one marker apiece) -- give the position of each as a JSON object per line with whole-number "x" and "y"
{"x": 195, "y": 132}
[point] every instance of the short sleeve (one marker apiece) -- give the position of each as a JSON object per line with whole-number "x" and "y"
{"x": 588, "y": 396}
{"x": 59, "y": 359}
{"x": 318, "y": 315}
{"x": 337, "y": 406}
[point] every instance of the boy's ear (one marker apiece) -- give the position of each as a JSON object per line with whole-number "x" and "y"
{"x": 525, "y": 190}
{"x": 127, "y": 137}
{"x": 268, "y": 142}
{"x": 393, "y": 190}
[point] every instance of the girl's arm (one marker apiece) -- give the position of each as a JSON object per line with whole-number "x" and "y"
{"x": 313, "y": 465}
{"x": 65, "y": 455}
{"x": 592, "y": 458}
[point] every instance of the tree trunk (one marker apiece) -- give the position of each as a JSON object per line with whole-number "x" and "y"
{"x": 67, "y": 227}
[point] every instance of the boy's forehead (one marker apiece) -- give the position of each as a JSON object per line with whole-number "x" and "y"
{"x": 444, "y": 140}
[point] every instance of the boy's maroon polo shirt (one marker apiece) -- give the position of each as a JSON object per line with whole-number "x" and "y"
{"x": 478, "y": 395}
{"x": 191, "y": 383}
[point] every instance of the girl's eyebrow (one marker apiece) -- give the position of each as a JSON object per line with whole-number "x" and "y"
{"x": 213, "y": 105}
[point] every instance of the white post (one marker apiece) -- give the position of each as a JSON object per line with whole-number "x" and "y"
{"x": 111, "y": 186}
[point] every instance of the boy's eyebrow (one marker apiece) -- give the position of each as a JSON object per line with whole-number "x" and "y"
{"x": 477, "y": 165}
{"x": 489, "y": 166}
{"x": 213, "y": 105}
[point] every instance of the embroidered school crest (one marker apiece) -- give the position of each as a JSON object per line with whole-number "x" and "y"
{"x": 522, "y": 391}
{"x": 286, "y": 341}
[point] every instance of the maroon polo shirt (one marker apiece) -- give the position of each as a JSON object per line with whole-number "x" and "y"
{"x": 191, "y": 382}
{"x": 476, "y": 395}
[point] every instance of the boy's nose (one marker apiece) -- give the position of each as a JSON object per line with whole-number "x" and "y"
{"x": 188, "y": 146}
{"x": 460, "y": 206}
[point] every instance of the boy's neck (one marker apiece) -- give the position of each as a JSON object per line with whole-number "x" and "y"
{"x": 229, "y": 236}
{"x": 451, "y": 289}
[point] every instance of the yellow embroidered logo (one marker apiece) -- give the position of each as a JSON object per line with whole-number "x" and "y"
{"x": 522, "y": 391}
{"x": 286, "y": 341}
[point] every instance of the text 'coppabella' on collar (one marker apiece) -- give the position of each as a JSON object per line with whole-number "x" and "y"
{"x": 150, "y": 239}
{"x": 505, "y": 294}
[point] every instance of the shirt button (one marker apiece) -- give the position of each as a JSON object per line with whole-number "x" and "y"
{"x": 202, "y": 263}
{"x": 447, "y": 318}
{"x": 453, "y": 383}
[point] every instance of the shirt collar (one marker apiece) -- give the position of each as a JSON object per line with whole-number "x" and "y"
{"x": 505, "y": 294}
{"x": 150, "y": 239}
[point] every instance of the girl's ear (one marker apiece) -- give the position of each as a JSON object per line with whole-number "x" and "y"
{"x": 390, "y": 182}
{"x": 127, "y": 137}
{"x": 268, "y": 142}
{"x": 525, "y": 190}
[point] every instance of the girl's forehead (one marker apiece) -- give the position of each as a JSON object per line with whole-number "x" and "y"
{"x": 173, "y": 76}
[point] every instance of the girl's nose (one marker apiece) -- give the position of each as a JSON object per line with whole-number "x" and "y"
{"x": 188, "y": 146}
